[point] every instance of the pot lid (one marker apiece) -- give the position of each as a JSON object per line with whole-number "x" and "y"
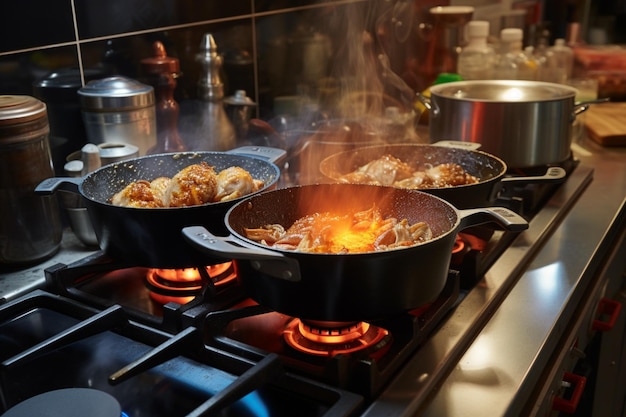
{"x": 20, "y": 109}
{"x": 512, "y": 91}
{"x": 116, "y": 93}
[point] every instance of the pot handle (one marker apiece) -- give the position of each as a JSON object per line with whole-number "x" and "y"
{"x": 273, "y": 155}
{"x": 50, "y": 185}
{"x": 426, "y": 102}
{"x": 583, "y": 106}
{"x": 506, "y": 218}
{"x": 229, "y": 247}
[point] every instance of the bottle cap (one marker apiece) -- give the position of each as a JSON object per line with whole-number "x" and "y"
{"x": 447, "y": 77}
{"x": 511, "y": 34}
{"x": 478, "y": 29}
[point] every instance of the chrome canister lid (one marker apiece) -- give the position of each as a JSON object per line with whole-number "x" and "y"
{"x": 116, "y": 93}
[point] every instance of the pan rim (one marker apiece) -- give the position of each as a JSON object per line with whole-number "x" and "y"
{"x": 178, "y": 155}
{"x": 369, "y": 254}
{"x": 487, "y": 155}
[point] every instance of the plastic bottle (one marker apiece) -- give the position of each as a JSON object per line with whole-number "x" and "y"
{"x": 511, "y": 62}
{"x": 534, "y": 62}
{"x": 563, "y": 57}
{"x": 545, "y": 59}
{"x": 477, "y": 57}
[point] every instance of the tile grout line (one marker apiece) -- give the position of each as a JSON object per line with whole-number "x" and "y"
{"x": 78, "y": 47}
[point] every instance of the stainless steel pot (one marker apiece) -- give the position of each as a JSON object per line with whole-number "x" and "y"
{"x": 526, "y": 123}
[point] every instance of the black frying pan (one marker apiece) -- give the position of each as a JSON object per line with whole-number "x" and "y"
{"x": 151, "y": 237}
{"x": 489, "y": 169}
{"x": 344, "y": 287}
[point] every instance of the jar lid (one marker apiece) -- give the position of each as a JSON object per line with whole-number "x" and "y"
{"x": 20, "y": 109}
{"x": 116, "y": 93}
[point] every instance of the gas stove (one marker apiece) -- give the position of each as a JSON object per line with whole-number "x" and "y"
{"x": 193, "y": 344}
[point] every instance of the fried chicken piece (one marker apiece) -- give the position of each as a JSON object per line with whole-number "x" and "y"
{"x": 235, "y": 182}
{"x": 137, "y": 194}
{"x": 382, "y": 171}
{"x": 449, "y": 175}
{"x": 159, "y": 188}
{"x": 193, "y": 185}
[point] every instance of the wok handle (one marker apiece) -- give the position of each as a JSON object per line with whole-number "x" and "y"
{"x": 506, "y": 218}
{"x": 50, "y": 185}
{"x": 267, "y": 261}
{"x": 273, "y": 155}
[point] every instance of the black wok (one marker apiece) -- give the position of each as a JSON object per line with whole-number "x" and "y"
{"x": 151, "y": 237}
{"x": 344, "y": 287}
{"x": 489, "y": 169}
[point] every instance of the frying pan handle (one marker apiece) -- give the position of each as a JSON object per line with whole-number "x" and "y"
{"x": 552, "y": 174}
{"x": 50, "y": 185}
{"x": 273, "y": 155}
{"x": 506, "y": 218}
{"x": 267, "y": 261}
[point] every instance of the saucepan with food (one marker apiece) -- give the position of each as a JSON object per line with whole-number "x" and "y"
{"x": 343, "y": 252}
{"x": 139, "y": 206}
{"x": 451, "y": 170}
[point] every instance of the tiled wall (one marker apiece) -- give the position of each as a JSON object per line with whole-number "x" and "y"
{"x": 112, "y": 36}
{"x": 270, "y": 47}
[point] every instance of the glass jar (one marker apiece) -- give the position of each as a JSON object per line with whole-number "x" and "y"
{"x": 30, "y": 224}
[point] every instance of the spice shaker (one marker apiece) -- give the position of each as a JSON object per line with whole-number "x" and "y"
{"x": 30, "y": 224}
{"x": 119, "y": 109}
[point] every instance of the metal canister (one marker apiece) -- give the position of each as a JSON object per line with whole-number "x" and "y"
{"x": 30, "y": 224}
{"x": 119, "y": 109}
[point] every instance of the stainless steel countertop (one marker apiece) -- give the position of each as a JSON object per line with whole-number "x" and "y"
{"x": 486, "y": 352}
{"x": 487, "y": 357}
{"x": 19, "y": 280}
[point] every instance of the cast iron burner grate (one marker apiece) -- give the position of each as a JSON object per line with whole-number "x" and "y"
{"x": 50, "y": 342}
{"x": 252, "y": 328}
{"x": 101, "y": 281}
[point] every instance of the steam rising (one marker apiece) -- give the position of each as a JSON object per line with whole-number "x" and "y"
{"x": 368, "y": 85}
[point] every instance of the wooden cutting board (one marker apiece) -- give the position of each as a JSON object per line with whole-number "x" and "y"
{"x": 606, "y": 123}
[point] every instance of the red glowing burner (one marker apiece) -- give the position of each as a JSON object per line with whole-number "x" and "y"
{"x": 183, "y": 285}
{"x": 331, "y": 338}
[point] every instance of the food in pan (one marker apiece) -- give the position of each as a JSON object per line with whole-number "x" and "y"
{"x": 391, "y": 171}
{"x": 193, "y": 185}
{"x": 235, "y": 182}
{"x": 363, "y": 231}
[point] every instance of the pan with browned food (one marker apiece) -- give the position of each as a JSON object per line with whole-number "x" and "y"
{"x": 139, "y": 206}
{"x": 344, "y": 252}
{"x": 464, "y": 177}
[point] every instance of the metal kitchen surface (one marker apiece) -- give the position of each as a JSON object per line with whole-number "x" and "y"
{"x": 489, "y": 340}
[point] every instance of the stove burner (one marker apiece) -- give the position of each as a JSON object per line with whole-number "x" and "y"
{"x": 183, "y": 285}
{"x": 69, "y": 402}
{"x": 330, "y": 339}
